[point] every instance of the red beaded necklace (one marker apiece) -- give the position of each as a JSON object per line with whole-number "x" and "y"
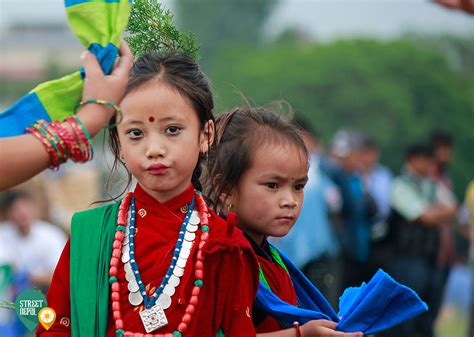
{"x": 114, "y": 263}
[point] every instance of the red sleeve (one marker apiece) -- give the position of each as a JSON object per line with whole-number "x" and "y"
{"x": 58, "y": 298}
{"x": 239, "y": 284}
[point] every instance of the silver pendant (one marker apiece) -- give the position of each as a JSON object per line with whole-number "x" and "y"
{"x": 194, "y": 219}
{"x": 178, "y": 271}
{"x": 164, "y": 301}
{"x": 133, "y": 286}
{"x": 129, "y": 276}
{"x": 187, "y": 245}
{"x": 153, "y": 318}
{"x": 135, "y": 298}
{"x": 125, "y": 256}
{"x": 174, "y": 281}
{"x": 188, "y": 236}
{"x": 184, "y": 253}
{"x": 181, "y": 263}
{"x": 192, "y": 228}
{"x": 169, "y": 290}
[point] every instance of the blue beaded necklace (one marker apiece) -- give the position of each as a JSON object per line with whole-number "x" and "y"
{"x": 150, "y": 301}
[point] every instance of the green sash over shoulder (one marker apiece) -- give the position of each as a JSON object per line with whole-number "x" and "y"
{"x": 92, "y": 237}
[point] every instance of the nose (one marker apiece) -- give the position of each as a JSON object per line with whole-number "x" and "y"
{"x": 156, "y": 148}
{"x": 289, "y": 200}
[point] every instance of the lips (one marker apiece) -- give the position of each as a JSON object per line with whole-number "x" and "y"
{"x": 286, "y": 217}
{"x": 157, "y": 169}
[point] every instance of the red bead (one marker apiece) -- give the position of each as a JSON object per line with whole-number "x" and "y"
{"x": 190, "y": 309}
{"x": 194, "y": 300}
{"x": 114, "y": 262}
{"x": 128, "y": 334}
{"x": 115, "y": 296}
{"x": 150, "y": 335}
{"x": 168, "y": 335}
{"x": 115, "y": 287}
{"x": 186, "y": 318}
{"x": 113, "y": 271}
{"x": 116, "y": 306}
{"x": 201, "y": 244}
{"x": 199, "y": 255}
{"x": 119, "y": 324}
{"x": 182, "y": 327}
{"x": 199, "y": 274}
{"x": 117, "y": 245}
{"x": 119, "y": 236}
{"x": 116, "y": 253}
{"x": 196, "y": 291}
{"x": 199, "y": 265}
{"x": 116, "y": 315}
{"x": 137, "y": 334}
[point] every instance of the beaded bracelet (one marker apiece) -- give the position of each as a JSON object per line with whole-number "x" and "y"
{"x": 62, "y": 143}
{"x": 116, "y": 108}
{"x": 296, "y": 325}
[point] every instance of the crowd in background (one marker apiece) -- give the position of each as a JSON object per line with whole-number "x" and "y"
{"x": 358, "y": 216}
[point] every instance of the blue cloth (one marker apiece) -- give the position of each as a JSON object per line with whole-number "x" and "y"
{"x": 312, "y": 235}
{"x": 371, "y": 308}
{"x": 20, "y": 115}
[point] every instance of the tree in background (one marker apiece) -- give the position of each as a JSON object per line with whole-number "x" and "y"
{"x": 397, "y": 91}
{"x": 223, "y": 22}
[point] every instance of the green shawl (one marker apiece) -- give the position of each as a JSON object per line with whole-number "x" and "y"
{"x": 92, "y": 237}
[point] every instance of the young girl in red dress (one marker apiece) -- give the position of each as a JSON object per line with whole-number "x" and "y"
{"x": 159, "y": 262}
{"x": 258, "y": 171}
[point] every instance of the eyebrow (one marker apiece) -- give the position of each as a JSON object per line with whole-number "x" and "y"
{"x": 279, "y": 177}
{"x": 164, "y": 119}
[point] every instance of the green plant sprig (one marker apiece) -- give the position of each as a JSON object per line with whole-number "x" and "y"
{"x": 151, "y": 28}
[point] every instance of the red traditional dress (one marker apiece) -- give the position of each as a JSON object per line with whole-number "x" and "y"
{"x": 280, "y": 284}
{"x": 229, "y": 284}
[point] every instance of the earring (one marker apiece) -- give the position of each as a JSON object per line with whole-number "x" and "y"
{"x": 229, "y": 207}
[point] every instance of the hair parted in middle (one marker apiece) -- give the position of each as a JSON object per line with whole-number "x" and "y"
{"x": 181, "y": 73}
{"x": 239, "y": 133}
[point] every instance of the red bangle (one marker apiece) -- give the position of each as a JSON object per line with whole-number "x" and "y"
{"x": 296, "y": 325}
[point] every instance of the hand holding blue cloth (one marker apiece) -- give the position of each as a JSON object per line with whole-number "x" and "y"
{"x": 373, "y": 307}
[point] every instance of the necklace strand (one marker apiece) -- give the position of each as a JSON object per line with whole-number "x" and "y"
{"x": 198, "y": 270}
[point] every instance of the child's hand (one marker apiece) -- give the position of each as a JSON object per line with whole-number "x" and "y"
{"x": 324, "y": 328}
{"x": 110, "y": 88}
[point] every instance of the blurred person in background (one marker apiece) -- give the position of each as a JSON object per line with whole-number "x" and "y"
{"x": 418, "y": 215}
{"x": 353, "y": 225}
{"x": 377, "y": 181}
{"x": 312, "y": 243}
{"x": 33, "y": 246}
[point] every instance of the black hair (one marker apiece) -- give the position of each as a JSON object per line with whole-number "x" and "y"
{"x": 10, "y": 197}
{"x": 239, "y": 133}
{"x": 182, "y": 73}
{"x": 418, "y": 150}
{"x": 440, "y": 138}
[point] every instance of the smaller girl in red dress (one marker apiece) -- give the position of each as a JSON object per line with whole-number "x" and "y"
{"x": 259, "y": 170}
{"x": 159, "y": 262}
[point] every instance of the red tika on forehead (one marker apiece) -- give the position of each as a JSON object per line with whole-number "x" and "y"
{"x": 151, "y": 119}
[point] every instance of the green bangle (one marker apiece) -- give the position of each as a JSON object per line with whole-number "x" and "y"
{"x": 116, "y": 108}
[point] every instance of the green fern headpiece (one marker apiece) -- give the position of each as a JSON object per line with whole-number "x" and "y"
{"x": 151, "y": 28}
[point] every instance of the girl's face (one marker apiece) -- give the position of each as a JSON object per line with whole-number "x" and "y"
{"x": 161, "y": 138}
{"x": 269, "y": 195}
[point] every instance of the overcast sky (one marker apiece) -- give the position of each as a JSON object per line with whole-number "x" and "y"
{"x": 323, "y": 19}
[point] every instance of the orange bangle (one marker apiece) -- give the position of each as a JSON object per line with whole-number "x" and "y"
{"x": 296, "y": 325}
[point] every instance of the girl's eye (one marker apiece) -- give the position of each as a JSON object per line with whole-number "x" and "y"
{"x": 173, "y": 130}
{"x": 300, "y": 187}
{"x": 134, "y": 134}
{"x": 272, "y": 186}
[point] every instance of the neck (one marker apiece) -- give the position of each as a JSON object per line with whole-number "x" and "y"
{"x": 257, "y": 237}
{"x": 164, "y": 196}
